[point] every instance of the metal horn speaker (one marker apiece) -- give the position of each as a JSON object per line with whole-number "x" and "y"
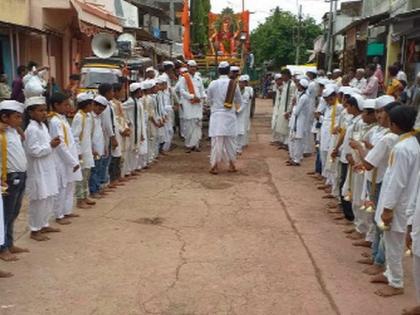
{"x": 104, "y": 45}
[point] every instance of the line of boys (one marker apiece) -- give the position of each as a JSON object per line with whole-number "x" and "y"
{"x": 370, "y": 157}
{"x": 107, "y": 143}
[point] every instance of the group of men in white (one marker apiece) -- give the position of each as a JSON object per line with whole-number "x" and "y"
{"x": 368, "y": 164}
{"x": 54, "y": 158}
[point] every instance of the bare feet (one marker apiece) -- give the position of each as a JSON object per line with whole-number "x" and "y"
{"x": 213, "y": 171}
{"x": 81, "y": 204}
{"x": 412, "y": 311}
{"x": 90, "y": 202}
{"x": 366, "y": 254}
{"x": 365, "y": 261}
{"x": 362, "y": 244}
{"x": 311, "y": 173}
{"x": 6, "y": 255}
{"x": 188, "y": 150}
{"x": 374, "y": 270}
{"x": 355, "y": 236}
{"x": 379, "y": 279}
{"x": 232, "y": 168}
{"x": 72, "y": 215}
{"x": 389, "y": 291}
{"x": 63, "y": 221}
{"x": 37, "y": 236}
{"x": 329, "y": 196}
{"x": 350, "y": 231}
{"x": 338, "y": 218}
{"x": 5, "y": 274}
{"x": 50, "y": 229}
{"x": 18, "y": 250}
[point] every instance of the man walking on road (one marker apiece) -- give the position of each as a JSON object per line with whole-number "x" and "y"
{"x": 192, "y": 92}
{"x": 224, "y": 98}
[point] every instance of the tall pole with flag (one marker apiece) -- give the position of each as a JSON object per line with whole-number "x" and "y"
{"x": 186, "y": 24}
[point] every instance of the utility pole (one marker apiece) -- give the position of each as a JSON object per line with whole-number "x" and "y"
{"x": 298, "y": 36}
{"x": 330, "y": 41}
{"x": 243, "y": 5}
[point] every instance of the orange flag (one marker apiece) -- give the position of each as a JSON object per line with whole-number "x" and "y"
{"x": 185, "y": 20}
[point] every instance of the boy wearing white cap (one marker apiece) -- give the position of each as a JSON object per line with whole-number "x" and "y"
{"x": 224, "y": 98}
{"x": 298, "y": 122}
{"x": 375, "y": 161}
{"x": 281, "y": 123}
{"x": 192, "y": 92}
{"x": 134, "y": 113}
{"x": 153, "y": 124}
{"x": 42, "y": 182}
{"x": 14, "y": 166}
{"x": 82, "y": 127}
{"x": 399, "y": 185}
{"x": 65, "y": 157}
{"x": 243, "y": 118}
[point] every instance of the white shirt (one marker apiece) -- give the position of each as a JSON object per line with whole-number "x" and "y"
{"x": 327, "y": 121}
{"x": 378, "y": 156}
{"x": 190, "y": 110}
{"x": 65, "y": 155}
{"x": 222, "y": 120}
{"x": 358, "y": 84}
{"x": 400, "y": 182}
{"x": 244, "y": 111}
{"x": 82, "y": 129}
{"x": 42, "y": 180}
{"x": 16, "y": 158}
{"x": 98, "y": 140}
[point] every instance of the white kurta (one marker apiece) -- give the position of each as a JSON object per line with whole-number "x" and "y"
{"x": 65, "y": 155}
{"x": 244, "y": 112}
{"x": 285, "y": 105}
{"x": 42, "y": 177}
{"x": 222, "y": 120}
{"x": 399, "y": 183}
{"x": 82, "y": 132}
{"x": 299, "y": 118}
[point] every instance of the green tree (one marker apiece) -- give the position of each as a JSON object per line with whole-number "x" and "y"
{"x": 199, "y": 11}
{"x": 275, "y": 40}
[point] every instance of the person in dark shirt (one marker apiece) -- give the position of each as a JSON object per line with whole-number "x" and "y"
{"x": 17, "y": 85}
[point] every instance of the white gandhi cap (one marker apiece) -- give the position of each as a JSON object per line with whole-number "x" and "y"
{"x": 12, "y": 105}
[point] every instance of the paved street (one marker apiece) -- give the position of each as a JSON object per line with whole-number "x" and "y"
{"x": 180, "y": 241}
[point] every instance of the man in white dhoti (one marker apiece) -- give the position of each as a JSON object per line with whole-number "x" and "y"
{"x": 312, "y": 92}
{"x": 42, "y": 183}
{"x": 399, "y": 185}
{"x": 281, "y": 124}
{"x": 192, "y": 93}
{"x": 224, "y": 98}
{"x": 298, "y": 127}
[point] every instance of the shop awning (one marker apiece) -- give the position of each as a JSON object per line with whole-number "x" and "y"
{"x": 373, "y": 19}
{"x": 96, "y": 16}
{"x": 412, "y": 14}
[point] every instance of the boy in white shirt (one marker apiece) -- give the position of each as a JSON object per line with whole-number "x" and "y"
{"x": 42, "y": 182}
{"x": 399, "y": 185}
{"x": 82, "y": 131}
{"x": 98, "y": 146}
{"x": 13, "y": 174}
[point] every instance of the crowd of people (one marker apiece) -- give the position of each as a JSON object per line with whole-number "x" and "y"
{"x": 367, "y": 159}
{"x": 80, "y": 147}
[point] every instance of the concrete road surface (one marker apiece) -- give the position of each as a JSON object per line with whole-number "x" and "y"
{"x": 180, "y": 241}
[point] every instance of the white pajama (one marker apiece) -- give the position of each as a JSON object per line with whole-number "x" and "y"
{"x": 39, "y": 213}
{"x": 69, "y": 201}
{"x": 394, "y": 251}
{"x": 240, "y": 142}
{"x": 223, "y": 149}
{"x": 63, "y": 202}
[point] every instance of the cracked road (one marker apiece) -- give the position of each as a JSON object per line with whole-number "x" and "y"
{"x": 179, "y": 241}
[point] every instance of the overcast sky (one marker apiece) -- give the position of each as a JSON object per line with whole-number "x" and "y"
{"x": 314, "y": 8}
